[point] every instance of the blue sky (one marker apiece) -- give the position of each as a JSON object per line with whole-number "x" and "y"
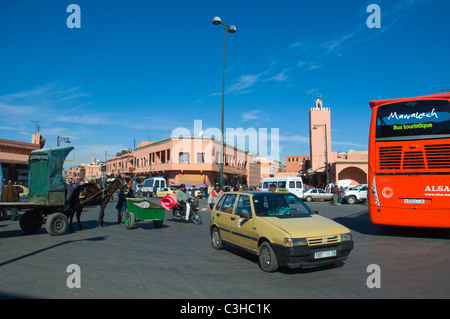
{"x": 136, "y": 70}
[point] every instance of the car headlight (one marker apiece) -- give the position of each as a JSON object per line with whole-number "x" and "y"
{"x": 291, "y": 242}
{"x": 346, "y": 237}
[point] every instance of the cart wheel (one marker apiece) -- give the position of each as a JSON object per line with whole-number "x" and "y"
{"x": 56, "y": 224}
{"x": 129, "y": 220}
{"x": 31, "y": 221}
{"x": 158, "y": 223}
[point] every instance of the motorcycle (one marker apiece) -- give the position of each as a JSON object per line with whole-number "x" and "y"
{"x": 191, "y": 213}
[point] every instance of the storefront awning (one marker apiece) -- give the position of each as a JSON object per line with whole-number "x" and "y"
{"x": 10, "y": 158}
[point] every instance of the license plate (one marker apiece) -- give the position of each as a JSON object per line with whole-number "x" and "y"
{"x": 414, "y": 201}
{"x": 325, "y": 254}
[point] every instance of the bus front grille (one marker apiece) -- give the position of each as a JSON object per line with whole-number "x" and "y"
{"x": 426, "y": 157}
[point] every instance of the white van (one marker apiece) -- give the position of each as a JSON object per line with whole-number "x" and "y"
{"x": 147, "y": 186}
{"x": 294, "y": 184}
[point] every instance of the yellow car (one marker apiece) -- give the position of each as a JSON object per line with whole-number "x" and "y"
{"x": 279, "y": 228}
{"x": 23, "y": 191}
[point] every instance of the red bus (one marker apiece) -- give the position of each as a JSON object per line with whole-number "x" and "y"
{"x": 409, "y": 161}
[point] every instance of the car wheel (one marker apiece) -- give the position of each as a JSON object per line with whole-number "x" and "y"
{"x": 308, "y": 199}
{"x": 351, "y": 200}
{"x": 216, "y": 239}
{"x": 267, "y": 258}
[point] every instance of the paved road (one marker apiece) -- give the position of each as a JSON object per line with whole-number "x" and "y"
{"x": 178, "y": 261}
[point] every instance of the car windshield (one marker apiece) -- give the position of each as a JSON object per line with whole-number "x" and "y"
{"x": 275, "y": 204}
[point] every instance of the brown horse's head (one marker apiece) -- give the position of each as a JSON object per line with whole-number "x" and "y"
{"x": 116, "y": 183}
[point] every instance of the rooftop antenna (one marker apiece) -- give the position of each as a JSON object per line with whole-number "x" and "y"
{"x": 445, "y": 90}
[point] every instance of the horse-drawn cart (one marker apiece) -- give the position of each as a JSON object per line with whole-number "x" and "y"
{"x": 140, "y": 209}
{"x": 49, "y": 195}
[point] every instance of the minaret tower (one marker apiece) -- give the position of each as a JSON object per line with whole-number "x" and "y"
{"x": 319, "y": 134}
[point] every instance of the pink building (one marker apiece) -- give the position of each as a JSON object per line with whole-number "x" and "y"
{"x": 189, "y": 160}
{"x": 120, "y": 165}
{"x": 85, "y": 171}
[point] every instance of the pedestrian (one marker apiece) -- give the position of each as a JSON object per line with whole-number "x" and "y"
{"x": 335, "y": 195}
{"x": 121, "y": 205}
{"x": 203, "y": 192}
{"x": 341, "y": 193}
{"x": 10, "y": 194}
{"x": 214, "y": 195}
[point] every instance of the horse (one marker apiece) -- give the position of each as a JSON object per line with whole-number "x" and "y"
{"x": 92, "y": 194}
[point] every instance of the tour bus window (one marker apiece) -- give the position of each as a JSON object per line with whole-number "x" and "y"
{"x": 413, "y": 118}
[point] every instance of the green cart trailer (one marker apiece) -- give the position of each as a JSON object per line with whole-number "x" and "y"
{"x": 140, "y": 209}
{"x": 49, "y": 195}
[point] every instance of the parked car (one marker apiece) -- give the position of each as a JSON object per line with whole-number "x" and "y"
{"x": 316, "y": 194}
{"x": 166, "y": 191}
{"x": 197, "y": 192}
{"x": 150, "y": 183}
{"x": 293, "y": 184}
{"x": 279, "y": 228}
{"x": 356, "y": 194}
{"x": 24, "y": 192}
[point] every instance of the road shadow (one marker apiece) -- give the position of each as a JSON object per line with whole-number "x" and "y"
{"x": 360, "y": 222}
{"x": 99, "y": 238}
{"x": 284, "y": 270}
{"x": 89, "y": 224}
{"x": 147, "y": 224}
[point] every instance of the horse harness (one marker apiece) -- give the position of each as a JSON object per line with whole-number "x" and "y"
{"x": 105, "y": 191}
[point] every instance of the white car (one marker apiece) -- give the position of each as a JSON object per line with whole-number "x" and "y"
{"x": 316, "y": 194}
{"x": 356, "y": 194}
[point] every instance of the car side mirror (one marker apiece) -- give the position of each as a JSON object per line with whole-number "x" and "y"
{"x": 244, "y": 215}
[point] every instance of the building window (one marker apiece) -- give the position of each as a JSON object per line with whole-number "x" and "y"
{"x": 183, "y": 157}
{"x": 200, "y": 157}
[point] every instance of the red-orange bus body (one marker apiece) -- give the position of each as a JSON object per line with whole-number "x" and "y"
{"x": 409, "y": 180}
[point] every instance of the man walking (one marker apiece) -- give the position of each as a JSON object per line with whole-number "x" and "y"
{"x": 214, "y": 195}
{"x": 335, "y": 195}
{"x": 11, "y": 194}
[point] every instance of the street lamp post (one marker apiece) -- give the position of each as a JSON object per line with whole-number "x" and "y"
{"x": 326, "y": 147}
{"x": 62, "y": 138}
{"x": 231, "y": 29}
